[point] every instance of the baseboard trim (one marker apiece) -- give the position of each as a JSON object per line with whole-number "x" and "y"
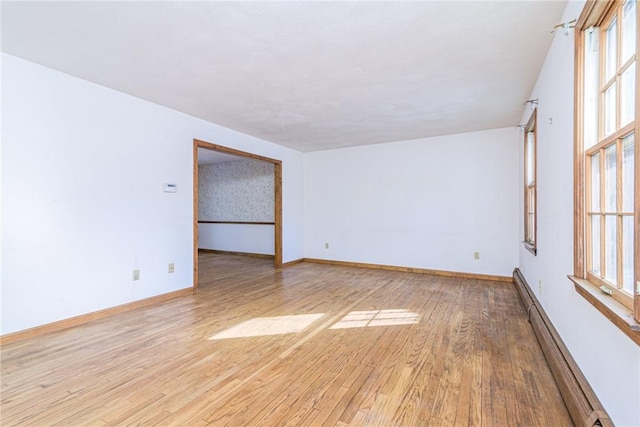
{"x": 476, "y": 276}
{"x": 581, "y": 401}
{"x": 86, "y": 318}
{"x": 294, "y": 262}
{"x": 249, "y": 254}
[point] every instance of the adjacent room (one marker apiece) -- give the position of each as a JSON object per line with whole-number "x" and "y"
{"x": 320, "y": 213}
{"x": 236, "y": 203}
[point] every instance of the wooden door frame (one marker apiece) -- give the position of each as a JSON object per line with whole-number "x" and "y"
{"x": 277, "y": 177}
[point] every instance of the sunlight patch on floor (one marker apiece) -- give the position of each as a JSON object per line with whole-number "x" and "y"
{"x": 264, "y": 326}
{"x": 361, "y": 319}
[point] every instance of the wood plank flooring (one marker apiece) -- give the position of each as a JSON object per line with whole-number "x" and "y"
{"x": 307, "y": 345}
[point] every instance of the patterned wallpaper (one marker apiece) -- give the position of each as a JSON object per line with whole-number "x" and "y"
{"x": 236, "y": 191}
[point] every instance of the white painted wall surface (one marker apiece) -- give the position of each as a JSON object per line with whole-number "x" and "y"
{"x": 428, "y": 203}
{"x": 82, "y": 174}
{"x": 249, "y": 238}
{"x": 609, "y": 360}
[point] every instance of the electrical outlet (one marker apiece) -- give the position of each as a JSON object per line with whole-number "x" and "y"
{"x": 540, "y": 286}
{"x": 136, "y": 274}
{"x": 172, "y": 267}
{"x": 326, "y": 245}
{"x": 476, "y": 255}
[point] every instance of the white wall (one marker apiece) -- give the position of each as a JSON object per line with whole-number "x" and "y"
{"x": 428, "y": 203}
{"x": 248, "y": 238}
{"x": 82, "y": 174}
{"x": 608, "y": 358}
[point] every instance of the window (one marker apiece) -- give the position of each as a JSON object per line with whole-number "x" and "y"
{"x": 607, "y": 174}
{"x": 530, "y": 184}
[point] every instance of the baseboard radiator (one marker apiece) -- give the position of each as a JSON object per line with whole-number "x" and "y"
{"x": 581, "y": 401}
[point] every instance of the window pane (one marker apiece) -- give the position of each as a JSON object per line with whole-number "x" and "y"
{"x": 595, "y": 245}
{"x": 531, "y": 205}
{"x": 628, "y": 29}
{"x": 611, "y": 50}
{"x": 627, "y": 173}
{"x": 595, "y": 182}
{"x": 532, "y": 229}
{"x": 610, "y": 194}
{"x": 627, "y": 95}
{"x": 530, "y": 156}
{"x": 610, "y": 110}
{"x": 627, "y": 257}
{"x": 591, "y": 88}
{"x": 611, "y": 249}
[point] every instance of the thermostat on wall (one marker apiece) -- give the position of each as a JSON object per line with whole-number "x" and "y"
{"x": 170, "y": 188}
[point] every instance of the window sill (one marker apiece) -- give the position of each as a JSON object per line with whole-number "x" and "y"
{"x": 531, "y": 248}
{"x": 617, "y": 313}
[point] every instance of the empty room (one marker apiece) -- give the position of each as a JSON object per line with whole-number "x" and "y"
{"x": 320, "y": 213}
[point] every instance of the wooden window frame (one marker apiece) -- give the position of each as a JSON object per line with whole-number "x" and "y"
{"x": 531, "y": 190}
{"x": 623, "y": 310}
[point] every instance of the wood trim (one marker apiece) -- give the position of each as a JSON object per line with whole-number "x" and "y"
{"x": 277, "y": 176}
{"x": 587, "y": 11}
{"x": 237, "y": 222}
{"x": 578, "y": 155}
{"x": 531, "y": 248}
{"x": 233, "y": 151}
{"x": 247, "y": 254}
{"x": 581, "y": 401}
{"x": 636, "y": 287}
{"x": 195, "y": 216}
{"x": 611, "y": 139}
{"x": 613, "y": 310}
{"x": 617, "y": 294}
{"x": 505, "y": 279}
{"x": 593, "y": 13}
{"x": 294, "y": 262}
{"x": 89, "y": 317}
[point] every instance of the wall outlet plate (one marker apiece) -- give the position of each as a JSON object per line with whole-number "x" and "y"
{"x": 136, "y": 274}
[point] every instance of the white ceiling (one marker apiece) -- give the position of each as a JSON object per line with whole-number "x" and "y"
{"x": 306, "y": 75}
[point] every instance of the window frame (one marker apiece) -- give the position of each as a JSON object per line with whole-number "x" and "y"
{"x": 624, "y": 311}
{"x": 531, "y": 190}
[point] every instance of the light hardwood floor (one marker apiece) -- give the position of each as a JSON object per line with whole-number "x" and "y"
{"x": 379, "y": 348}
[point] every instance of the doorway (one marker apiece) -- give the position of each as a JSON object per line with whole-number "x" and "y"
{"x": 277, "y": 176}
